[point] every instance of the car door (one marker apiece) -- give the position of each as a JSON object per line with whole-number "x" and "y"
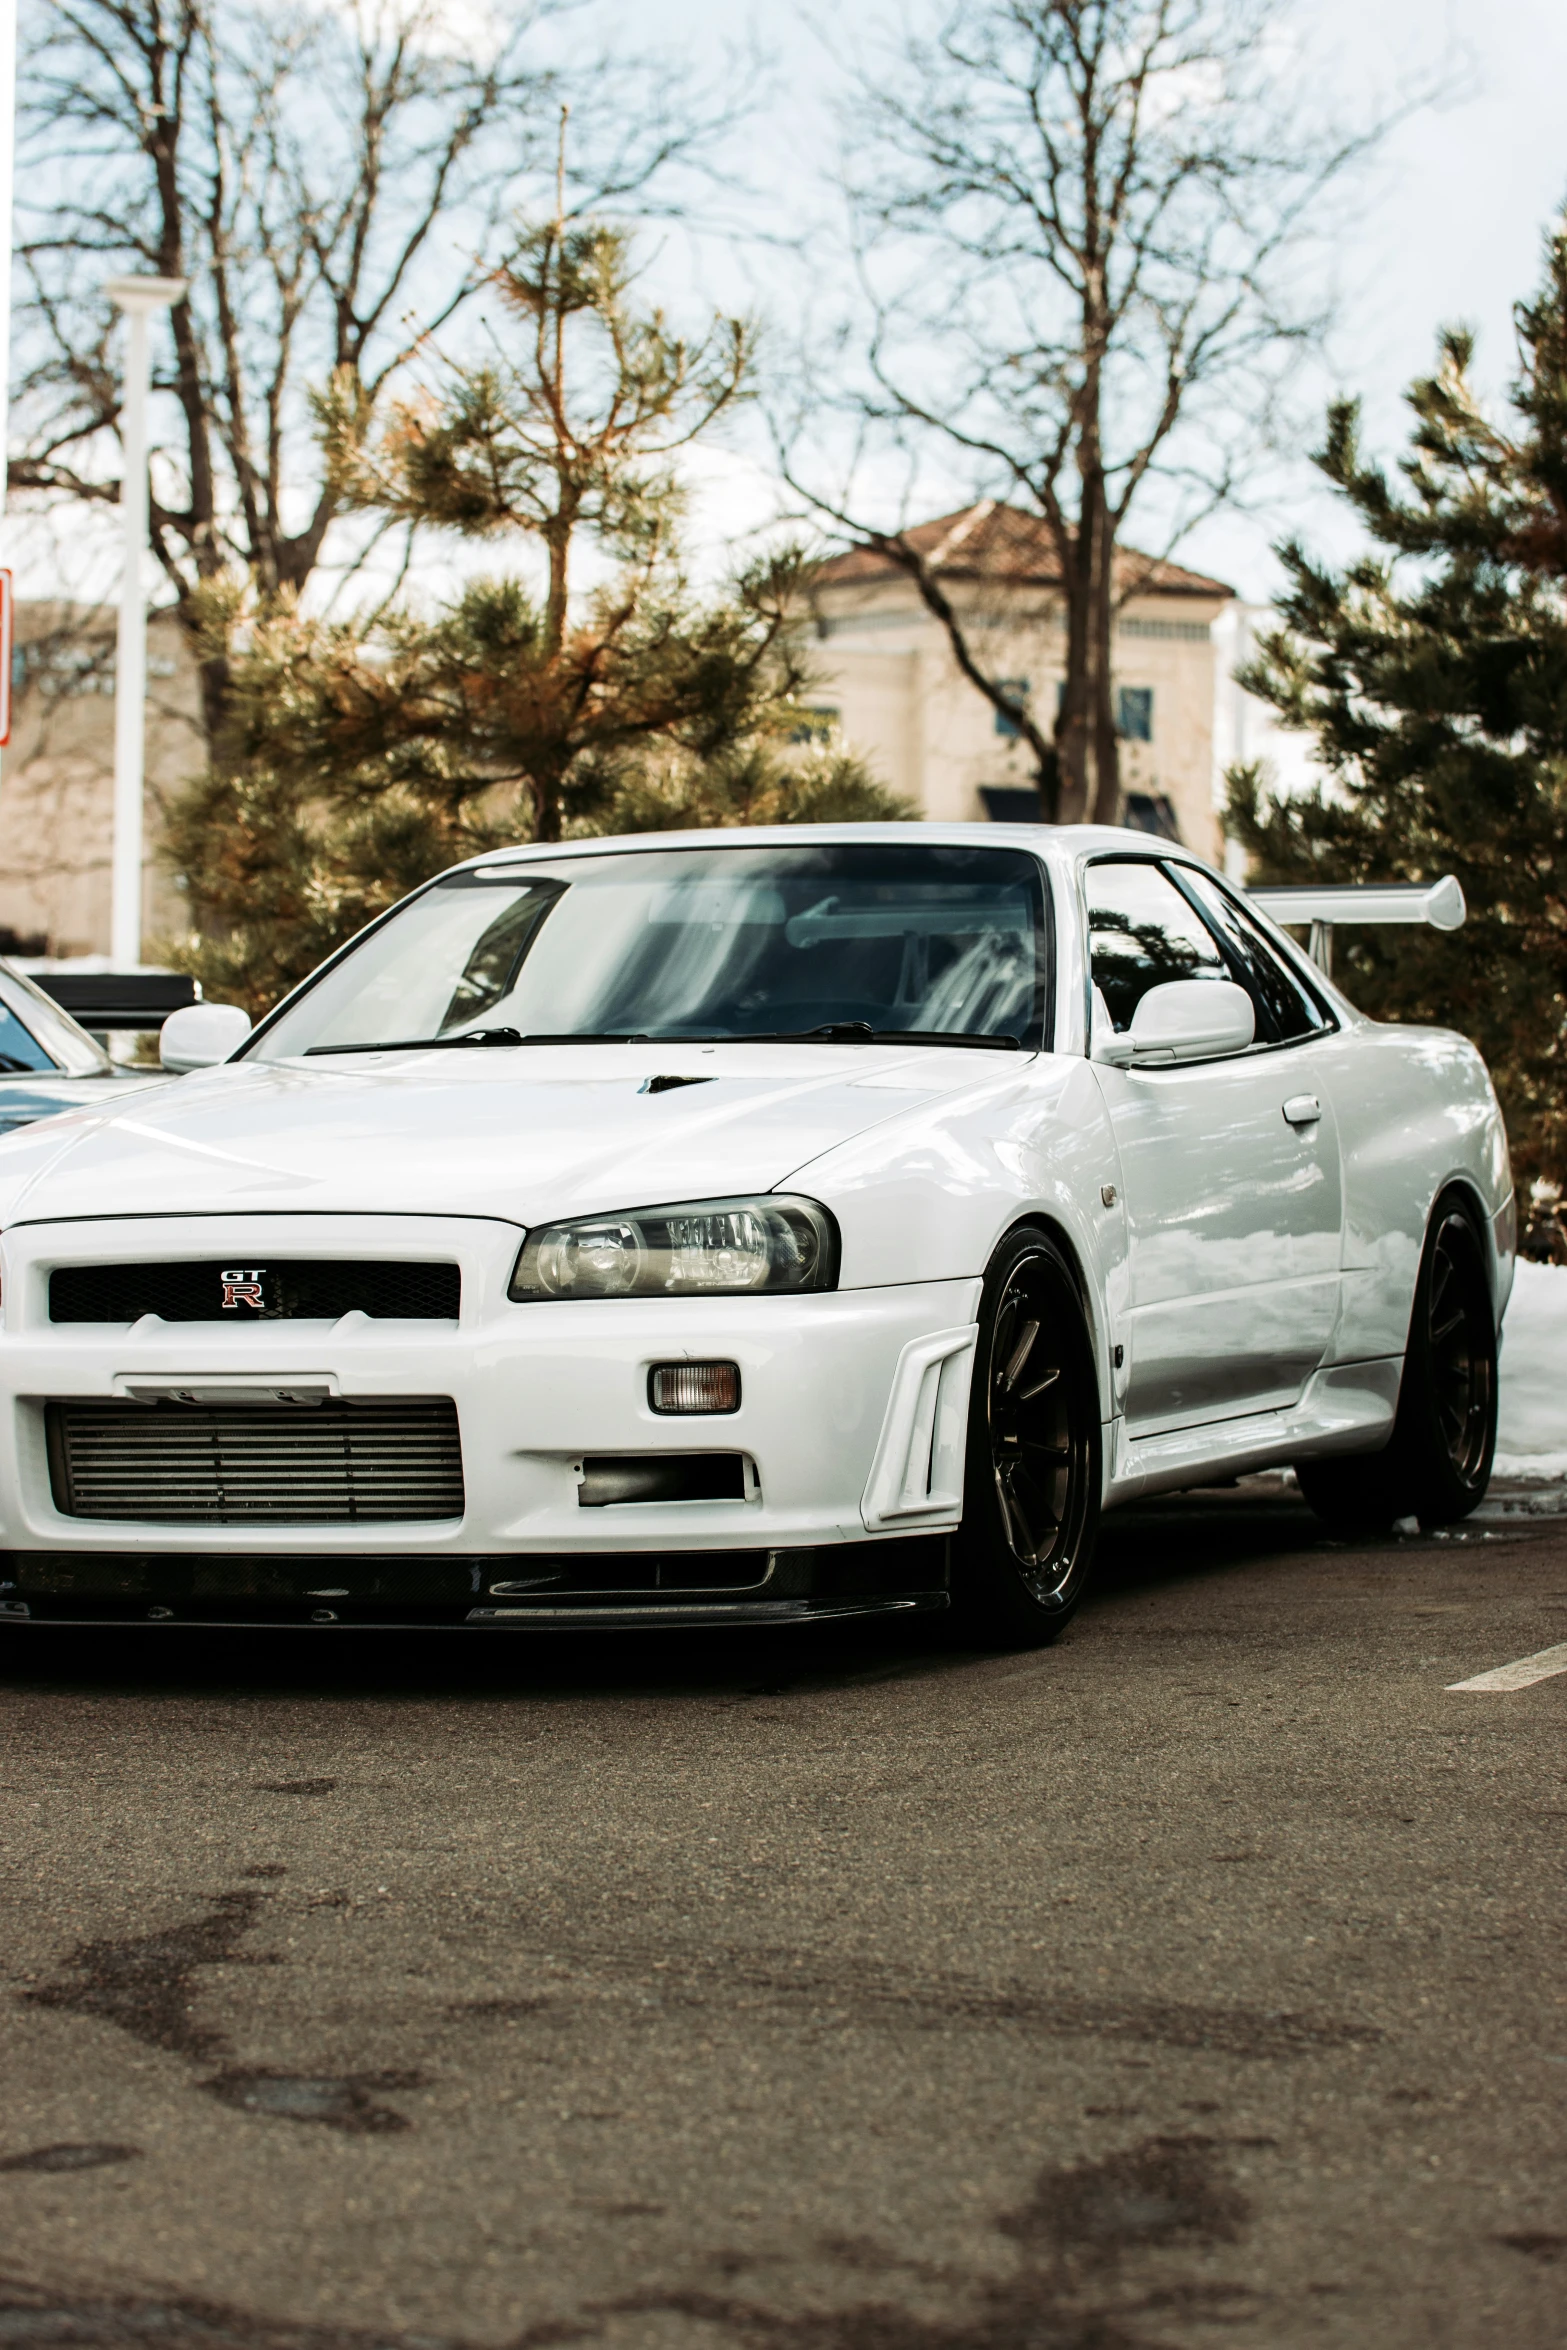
{"x": 1229, "y": 1168}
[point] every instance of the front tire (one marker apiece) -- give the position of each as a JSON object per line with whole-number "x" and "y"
{"x": 1025, "y": 1550}
{"x": 1437, "y": 1464}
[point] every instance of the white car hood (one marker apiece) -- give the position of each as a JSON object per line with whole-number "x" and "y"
{"x": 530, "y": 1134}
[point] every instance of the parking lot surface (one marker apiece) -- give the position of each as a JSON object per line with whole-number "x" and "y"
{"x": 1200, "y": 1980}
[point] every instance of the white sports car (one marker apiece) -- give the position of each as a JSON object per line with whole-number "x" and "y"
{"x": 745, "y": 1227}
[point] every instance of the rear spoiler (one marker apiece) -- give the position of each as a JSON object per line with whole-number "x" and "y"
{"x": 1439, "y": 903}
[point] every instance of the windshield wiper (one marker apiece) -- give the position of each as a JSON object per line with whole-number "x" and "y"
{"x": 861, "y": 1032}
{"x": 479, "y": 1037}
{"x": 482, "y": 1037}
{"x": 830, "y": 1032}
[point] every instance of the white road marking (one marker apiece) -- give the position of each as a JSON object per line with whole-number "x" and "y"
{"x": 1519, "y": 1676}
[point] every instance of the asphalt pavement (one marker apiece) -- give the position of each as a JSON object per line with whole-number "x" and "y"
{"x": 1200, "y": 1980}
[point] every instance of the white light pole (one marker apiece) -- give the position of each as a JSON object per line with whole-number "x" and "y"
{"x": 138, "y": 297}
{"x": 7, "y": 173}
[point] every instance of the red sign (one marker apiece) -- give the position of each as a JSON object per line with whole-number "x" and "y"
{"x": 7, "y": 621}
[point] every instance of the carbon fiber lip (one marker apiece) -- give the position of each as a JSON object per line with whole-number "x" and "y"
{"x": 738, "y": 1611}
{"x": 676, "y": 1616}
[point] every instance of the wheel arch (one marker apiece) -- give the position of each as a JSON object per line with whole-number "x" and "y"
{"x": 1094, "y": 1313}
{"x": 1457, "y": 1189}
{"x": 1460, "y": 1189}
{"x": 1424, "y": 1468}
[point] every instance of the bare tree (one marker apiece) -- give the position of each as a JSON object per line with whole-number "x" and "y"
{"x": 1078, "y": 230}
{"x": 321, "y": 175}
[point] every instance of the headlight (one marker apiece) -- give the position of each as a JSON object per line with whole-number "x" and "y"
{"x": 703, "y": 1248}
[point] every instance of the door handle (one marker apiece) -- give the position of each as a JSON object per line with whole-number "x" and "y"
{"x": 1303, "y": 1109}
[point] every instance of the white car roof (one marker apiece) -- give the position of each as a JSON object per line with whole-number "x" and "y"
{"x": 1054, "y": 844}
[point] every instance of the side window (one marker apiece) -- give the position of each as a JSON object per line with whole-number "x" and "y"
{"x": 1285, "y": 1012}
{"x": 1141, "y": 933}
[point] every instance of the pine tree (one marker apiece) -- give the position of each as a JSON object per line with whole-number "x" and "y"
{"x": 1433, "y": 674}
{"x": 361, "y": 756}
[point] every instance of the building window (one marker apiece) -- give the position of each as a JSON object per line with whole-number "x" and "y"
{"x": 61, "y": 666}
{"x": 1003, "y": 804}
{"x": 1185, "y": 632}
{"x": 816, "y": 723}
{"x": 1151, "y": 811}
{"x": 1134, "y": 713}
{"x": 1016, "y": 688}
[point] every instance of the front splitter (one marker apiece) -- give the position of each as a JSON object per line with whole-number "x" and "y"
{"x": 667, "y": 1615}
{"x": 621, "y": 1590}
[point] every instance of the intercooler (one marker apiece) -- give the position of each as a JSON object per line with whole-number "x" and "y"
{"x": 331, "y": 1463}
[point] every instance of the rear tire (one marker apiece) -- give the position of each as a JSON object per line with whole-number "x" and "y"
{"x": 1024, "y": 1553}
{"x": 1437, "y": 1464}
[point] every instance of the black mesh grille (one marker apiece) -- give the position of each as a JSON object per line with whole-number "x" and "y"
{"x": 226, "y": 1464}
{"x": 308, "y": 1290}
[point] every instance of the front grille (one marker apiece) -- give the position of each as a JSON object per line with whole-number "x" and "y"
{"x": 172, "y": 1464}
{"x": 296, "y": 1291}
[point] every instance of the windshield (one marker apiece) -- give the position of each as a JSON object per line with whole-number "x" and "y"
{"x": 712, "y": 943}
{"x": 36, "y": 1034}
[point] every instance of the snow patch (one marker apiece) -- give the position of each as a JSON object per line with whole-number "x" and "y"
{"x": 1532, "y": 1438}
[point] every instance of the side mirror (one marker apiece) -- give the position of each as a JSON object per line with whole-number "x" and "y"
{"x": 1185, "y": 1020}
{"x": 201, "y": 1035}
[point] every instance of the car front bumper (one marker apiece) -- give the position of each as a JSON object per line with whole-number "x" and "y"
{"x": 847, "y": 1445}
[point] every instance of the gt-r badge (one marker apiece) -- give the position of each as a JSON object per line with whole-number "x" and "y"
{"x": 242, "y": 1289}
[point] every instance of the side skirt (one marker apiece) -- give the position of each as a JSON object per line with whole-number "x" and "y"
{"x": 1345, "y": 1407}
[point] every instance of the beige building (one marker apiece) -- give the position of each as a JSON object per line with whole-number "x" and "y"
{"x": 57, "y": 778}
{"x": 888, "y": 683}
{"x": 886, "y": 680}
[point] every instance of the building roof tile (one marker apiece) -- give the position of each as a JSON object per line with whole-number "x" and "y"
{"x": 996, "y": 542}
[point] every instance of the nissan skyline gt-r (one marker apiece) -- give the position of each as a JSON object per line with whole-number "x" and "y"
{"x": 745, "y": 1227}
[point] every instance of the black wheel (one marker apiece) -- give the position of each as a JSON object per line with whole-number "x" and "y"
{"x": 1438, "y": 1463}
{"x": 1031, "y": 1490}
